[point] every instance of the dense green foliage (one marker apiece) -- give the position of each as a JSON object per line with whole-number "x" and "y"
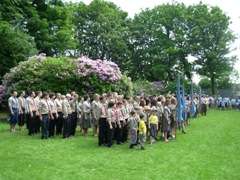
{"x": 101, "y": 32}
{"x": 154, "y": 45}
{"x": 15, "y": 46}
{"x": 59, "y": 75}
{"x": 210, "y": 150}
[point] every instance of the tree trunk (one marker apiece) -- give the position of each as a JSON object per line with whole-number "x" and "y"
{"x": 213, "y": 84}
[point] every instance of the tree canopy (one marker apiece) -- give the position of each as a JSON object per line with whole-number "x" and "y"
{"x": 154, "y": 45}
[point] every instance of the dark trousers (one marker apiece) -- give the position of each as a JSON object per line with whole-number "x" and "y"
{"x": 37, "y": 124}
{"x": 125, "y": 132}
{"x": 32, "y": 124}
{"x": 102, "y": 135}
{"x": 45, "y": 126}
{"x": 66, "y": 126}
{"x": 27, "y": 120}
{"x": 73, "y": 123}
{"x": 119, "y": 133}
{"x": 153, "y": 131}
{"x": 204, "y": 109}
{"x": 110, "y": 134}
{"x": 21, "y": 119}
{"x": 52, "y": 125}
{"x": 59, "y": 123}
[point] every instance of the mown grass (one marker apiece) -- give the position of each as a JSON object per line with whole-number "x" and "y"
{"x": 210, "y": 150}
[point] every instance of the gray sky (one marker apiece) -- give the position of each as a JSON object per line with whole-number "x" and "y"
{"x": 230, "y": 7}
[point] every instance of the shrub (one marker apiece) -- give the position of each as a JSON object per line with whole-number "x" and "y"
{"x": 64, "y": 74}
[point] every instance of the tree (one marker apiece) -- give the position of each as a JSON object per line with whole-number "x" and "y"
{"x": 45, "y": 20}
{"x": 210, "y": 38}
{"x": 101, "y": 32}
{"x": 15, "y": 46}
{"x": 158, "y": 39}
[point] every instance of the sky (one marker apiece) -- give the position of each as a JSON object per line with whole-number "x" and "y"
{"x": 230, "y": 7}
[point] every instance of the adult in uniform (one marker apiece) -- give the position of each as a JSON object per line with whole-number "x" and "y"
{"x": 67, "y": 111}
{"x": 32, "y": 112}
{"x": 59, "y": 120}
{"x": 22, "y": 107}
{"x": 44, "y": 114}
{"x": 74, "y": 115}
{"x": 53, "y": 114}
{"x": 86, "y": 119}
{"x": 13, "y": 105}
{"x": 96, "y": 111}
{"x": 37, "y": 120}
{"x": 102, "y": 135}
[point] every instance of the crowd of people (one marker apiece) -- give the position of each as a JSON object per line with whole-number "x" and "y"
{"x": 225, "y": 103}
{"x": 112, "y": 117}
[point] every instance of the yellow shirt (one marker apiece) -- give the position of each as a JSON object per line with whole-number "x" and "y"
{"x": 153, "y": 119}
{"x": 142, "y": 127}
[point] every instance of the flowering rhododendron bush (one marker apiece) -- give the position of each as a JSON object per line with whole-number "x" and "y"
{"x": 105, "y": 70}
{"x": 63, "y": 74}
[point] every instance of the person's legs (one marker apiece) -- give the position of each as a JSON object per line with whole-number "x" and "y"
{"x": 125, "y": 132}
{"x": 50, "y": 127}
{"x": 101, "y": 131}
{"x": 65, "y": 124}
{"x": 59, "y": 123}
{"x": 141, "y": 141}
{"x": 74, "y": 123}
{"x": 45, "y": 126}
{"x": 133, "y": 138}
{"x": 118, "y": 134}
{"x": 110, "y": 136}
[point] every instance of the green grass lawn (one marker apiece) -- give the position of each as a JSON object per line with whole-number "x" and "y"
{"x": 210, "y": 150}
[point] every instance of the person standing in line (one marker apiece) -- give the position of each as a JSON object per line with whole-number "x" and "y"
{"x": 96, "y": 111}
{"x": 74, "y": 116}
{"x": 153, "y": 125}
{"x": 86, "y": 121}
{"x": 27, "y": 111}
{"x": 110, "y": 123}
{"x": 14, "y": 108}
{"x": 204, "y": 106}
{"x": 173, "y": 124}
{"x": 133, "y": 126}
{"x": 118, "y": 118}
{"x": 102, "y": 135}
{"x": 166, "y": 120}
{"x": 59, "y": 120}
{"x": 160, "y": 115}
{"x": 33, "y": 112}
{"x": 142, "y": 130}
{"x": 44, "y": 115}
{"x": 22, "y": 106}
{"x": 80, "y": 113}
{"x": 66, "y": 116}
{"x": 53, "y": 114}
{"x": 37, "y": 120}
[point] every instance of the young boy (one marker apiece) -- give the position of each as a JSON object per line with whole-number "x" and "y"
{"x": 153, "y": 125}
{"x": 142, "y": 131}
{"x": 133, "y": 125}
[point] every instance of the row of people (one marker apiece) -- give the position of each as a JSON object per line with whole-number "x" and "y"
{"x": 111, "y": 116}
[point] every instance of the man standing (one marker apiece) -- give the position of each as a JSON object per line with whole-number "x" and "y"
{"x": 74, "y": 107}
{"x": 59, "y": 120}
{"x": 44, "y": 113}
{"x": 37, "y": 101}
{"x": 13, "y": 105}
{"x": 32, "y": 108}
{"x": 22, "y": 109}
{"x": 67, "y": 111}
{"x": 96, "y": 113}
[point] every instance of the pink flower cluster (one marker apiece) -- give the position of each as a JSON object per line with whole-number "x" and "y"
{"x": 105, "y": 70}
{"x": 2, "y": 93}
